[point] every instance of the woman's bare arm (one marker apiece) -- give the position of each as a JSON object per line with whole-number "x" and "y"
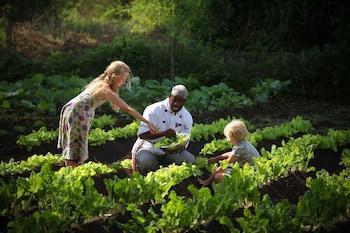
{"x": 118, "y": 102}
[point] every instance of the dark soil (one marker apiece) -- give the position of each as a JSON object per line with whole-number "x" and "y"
{"x": 112, "y": 151}
{"x": 328, "y": 159}
{"x": 102, "y": 224}
{"x": 290, "y": 187}
{"x": 109, "y": 152}
{"x": 3, "y": 223}
{"x": 341, "y": 227}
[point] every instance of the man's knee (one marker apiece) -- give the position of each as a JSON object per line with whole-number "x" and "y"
{"x": 187, "y": 156}
{"x": 181, "y": 157}
{"x": 146, "y": 161}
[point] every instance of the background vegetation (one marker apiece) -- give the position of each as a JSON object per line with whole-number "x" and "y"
{"x": 210, "y": 41}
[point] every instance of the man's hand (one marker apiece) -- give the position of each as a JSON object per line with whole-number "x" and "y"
{"x": 211, "y": 160}
{"x": 169, "y": 133}
{"x": 153, "y": 135}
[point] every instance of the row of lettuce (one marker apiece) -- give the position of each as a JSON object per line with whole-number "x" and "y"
{"x": 99, "y": 135}
{"x": 205, "y": 132}
{"x": 57, "y": 200}
{"x": 45, "y": 95}
{"x": 200, "y": 132}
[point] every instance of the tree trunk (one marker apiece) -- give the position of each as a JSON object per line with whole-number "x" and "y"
{"x": 10, "y": 43}
{"x": 56, "y": 23}
{"x": 172, "y": 58}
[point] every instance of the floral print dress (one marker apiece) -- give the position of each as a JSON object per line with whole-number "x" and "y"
{"x": 75, "y": 121}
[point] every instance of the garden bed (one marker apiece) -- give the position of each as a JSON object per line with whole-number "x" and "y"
{"x": 290, "y": 188}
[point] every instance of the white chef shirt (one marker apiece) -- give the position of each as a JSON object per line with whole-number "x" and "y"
{"x": 163, "y": 118}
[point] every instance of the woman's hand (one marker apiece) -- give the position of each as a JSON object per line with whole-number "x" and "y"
{"x": 152, "y": 127}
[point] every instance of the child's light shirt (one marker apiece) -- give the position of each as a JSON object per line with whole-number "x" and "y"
{"x": 245, "y": 152}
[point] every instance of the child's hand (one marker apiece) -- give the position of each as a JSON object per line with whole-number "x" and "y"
{"x": 204, "y": 182}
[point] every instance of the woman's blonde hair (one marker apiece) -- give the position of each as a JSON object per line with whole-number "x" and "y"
{"x": 114, "y": 69}
{"x": 236, "y": 129}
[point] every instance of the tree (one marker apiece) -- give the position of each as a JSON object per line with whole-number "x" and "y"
{"x": 175, "y": 17}
{"x": 15, "y": 11}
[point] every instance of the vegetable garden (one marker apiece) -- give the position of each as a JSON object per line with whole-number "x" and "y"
{"x": 299, "y": 184}
{"x": 282, "y": 67}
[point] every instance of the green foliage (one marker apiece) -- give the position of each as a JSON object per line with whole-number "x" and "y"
{"x": 216, "y": 97}
{"x": 346, "y": 158}
{"x": 267, "y": 88}
{"x": 147, "y": 15}
{"x": 139, "y": 53}
{"x": 288, "y": 129}
{"x": 40, "y": 94}
{"x": 206, "y": 131}
{"x": 104, "y": 121}
{"x": 37, "y": 137}
{"x": 267, "y": 217}
{"x": 95, "y": 17}
{"x": 12, "y": 167}
{"x": 154, "y": 187}
{"x": 98, "y": 135}
{"x": 179, "y": 139}
{"x": 326, "y": 201}
{"x": 173, "y": 143}
{"x": 2, "y": 34}
{"x": 59, "y": 62}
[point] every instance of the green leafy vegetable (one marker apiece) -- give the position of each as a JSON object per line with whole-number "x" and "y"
{"x": 179, "y": 139}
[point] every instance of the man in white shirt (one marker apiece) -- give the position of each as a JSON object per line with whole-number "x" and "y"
{"x": 170, "y": 117}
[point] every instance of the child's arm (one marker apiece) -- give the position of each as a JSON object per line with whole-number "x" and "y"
{"x": 210, "y": 179}
{"x": 232, "y": 158}
{"x": 219, "y": 157}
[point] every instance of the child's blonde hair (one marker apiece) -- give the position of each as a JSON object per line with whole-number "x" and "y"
{"x": 236, "y": 129}
{"x": 114, "y": 69}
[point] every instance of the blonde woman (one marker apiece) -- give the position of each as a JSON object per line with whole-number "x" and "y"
{"x": 243, "y": 151}
{"x": 77, "y": 115}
